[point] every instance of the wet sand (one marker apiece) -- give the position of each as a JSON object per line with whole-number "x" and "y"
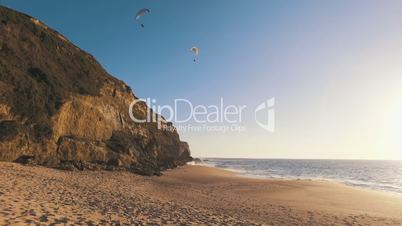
{"x": 190, "y": 195}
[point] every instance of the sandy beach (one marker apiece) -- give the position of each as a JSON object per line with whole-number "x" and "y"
{"x": 190, "y": 195}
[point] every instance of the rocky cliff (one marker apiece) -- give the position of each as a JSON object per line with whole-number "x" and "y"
{"x": 60, "y": 108}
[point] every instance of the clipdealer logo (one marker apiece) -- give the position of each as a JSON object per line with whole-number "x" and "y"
{"x": 210, "y": 118}
{"x": 268, "y": 110}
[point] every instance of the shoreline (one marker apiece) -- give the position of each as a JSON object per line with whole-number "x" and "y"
{"x": 243, "y": 174}
{"x": 186, "y": 195}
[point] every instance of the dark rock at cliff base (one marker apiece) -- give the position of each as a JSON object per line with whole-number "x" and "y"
{"x": 59, "y": 107}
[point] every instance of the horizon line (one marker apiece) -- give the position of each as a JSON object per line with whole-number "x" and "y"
{"x": 246, "y": 158}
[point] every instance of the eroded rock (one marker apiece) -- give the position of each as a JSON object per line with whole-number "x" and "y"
{"x": 60, "y": 108}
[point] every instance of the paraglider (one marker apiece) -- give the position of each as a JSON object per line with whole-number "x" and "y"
{"x": 196, "y": 51}
{"x": 142, "y": 13}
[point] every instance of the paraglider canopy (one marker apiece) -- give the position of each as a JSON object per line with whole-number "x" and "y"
{"x": 142, "y": 13}
{"x": 195, "y": 50}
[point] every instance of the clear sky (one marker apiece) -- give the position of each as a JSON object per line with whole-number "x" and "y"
{"x": 334, "y": 67}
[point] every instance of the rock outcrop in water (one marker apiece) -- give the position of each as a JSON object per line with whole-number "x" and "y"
{"x": 60, "y": 108}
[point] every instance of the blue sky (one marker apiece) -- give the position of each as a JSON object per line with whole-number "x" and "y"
{"x": 333, "y": 66}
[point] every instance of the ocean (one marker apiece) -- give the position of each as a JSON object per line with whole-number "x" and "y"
{"x": 372, "y": 174}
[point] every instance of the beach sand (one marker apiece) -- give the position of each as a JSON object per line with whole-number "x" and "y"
{"x": 188, "y": 195}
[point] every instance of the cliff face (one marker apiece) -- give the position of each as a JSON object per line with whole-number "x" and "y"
{"x": 60, "y": 108}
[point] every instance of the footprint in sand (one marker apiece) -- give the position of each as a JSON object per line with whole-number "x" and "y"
{"x": 43, "y": 218}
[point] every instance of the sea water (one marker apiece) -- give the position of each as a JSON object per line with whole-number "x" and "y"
{"x": 373, "y": 174}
